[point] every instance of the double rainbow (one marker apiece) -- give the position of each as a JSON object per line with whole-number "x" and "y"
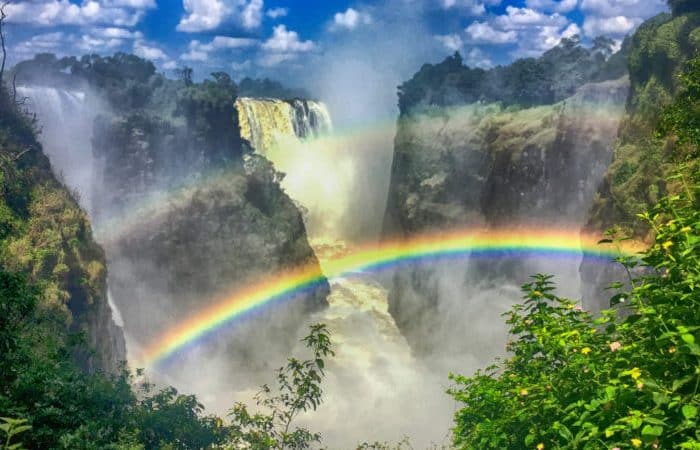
{"x": 281, "y": 287}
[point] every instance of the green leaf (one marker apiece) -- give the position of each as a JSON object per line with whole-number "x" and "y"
{"x": 689, "y": 411}
{"x": 688, "y": 338}
{"x": 652, "y": 430}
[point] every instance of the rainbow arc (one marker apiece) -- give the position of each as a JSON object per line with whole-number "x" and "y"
{"x": 424, "y": 249}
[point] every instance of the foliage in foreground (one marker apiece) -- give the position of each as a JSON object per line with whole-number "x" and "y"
{"x": 626, "y": 379}
{"x": 299, "y": 390}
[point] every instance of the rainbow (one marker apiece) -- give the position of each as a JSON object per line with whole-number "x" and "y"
{"x": 281, "y": 287}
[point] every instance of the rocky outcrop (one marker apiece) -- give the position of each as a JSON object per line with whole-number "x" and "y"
{"x": 182, "y": 230}
{"x": 44, "y": 233}
{"x": 637, "y": 177}
{"x": 482, "y": 165}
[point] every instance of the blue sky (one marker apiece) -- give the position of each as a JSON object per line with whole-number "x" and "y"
{"x": 285, "y": 38}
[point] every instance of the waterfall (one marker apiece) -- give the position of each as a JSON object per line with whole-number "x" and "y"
{"x": 264, "y": 122}
{"x": 373, "y": 361}
{"x": 65, "y": 119}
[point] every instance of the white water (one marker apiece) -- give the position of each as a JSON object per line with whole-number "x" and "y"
{"x": 375, "y": 390}
{"x": 66, "y": 119}
{"x": 264, "y": 121}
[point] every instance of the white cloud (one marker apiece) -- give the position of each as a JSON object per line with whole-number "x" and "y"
{"x": 194, "y": 55}
{"x": 617, "y": 25}
{"x": 560, "y": 6}
{"x": 636, "y": 8}
{"x": 89, "y": 12}
{"x": 283, "y": 40}
{"x": 206, "y": 15}
{"x": 483, "y": 32}
{"x": 135, "y": 4}
{"x": 201, "y": 15}
{"x": 198, "y": 51}
{"x": 92, "y": 44}
{"x": 533, "y": 31}
{"x": 617, "y": 18}
{"x": 276, "y": 13}
{"x": 284, "y": 45}
{"x": 350, "y": 19}
{"x": 252, "y": 14}
{"x": 150, "y": 52}
{"x": 473, "y": 7}
{"x": 116, "y": 33}
{"x": 452, "y": 42}
{"x": 477, "y": 58}
{"x": 519, "y": 18}
{"x": 242, "y": 66}
{"x": 169, "y": 65}
{"x": 275, "y": 59}
{"x": 40, "y": 43}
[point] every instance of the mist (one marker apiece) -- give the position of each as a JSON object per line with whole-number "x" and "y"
{"x": 389, "y": 377}
{"x": 65, "y": 119}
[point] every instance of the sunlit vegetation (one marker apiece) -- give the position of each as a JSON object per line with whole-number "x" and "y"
{"x": 627, "y": 378}
{"x": 660, "y": 69}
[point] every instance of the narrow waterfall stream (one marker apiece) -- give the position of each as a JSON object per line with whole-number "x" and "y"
{"x": 373, "y": 360}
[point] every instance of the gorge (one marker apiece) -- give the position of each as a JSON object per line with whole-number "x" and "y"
{"x": 200, "y": 195}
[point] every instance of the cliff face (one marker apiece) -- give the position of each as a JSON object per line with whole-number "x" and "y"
{"x": 185, "y": 211}
{"x": 481, "y": 165}
{"x": 46, "y": 234}
{"x": 183, "y": 229}
{"x": 637, "y": 176}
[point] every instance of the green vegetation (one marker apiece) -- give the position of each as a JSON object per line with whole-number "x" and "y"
{"x": 626, "y": 379}
{"x": 299, "y": 390}
{"x": 526, "y": 82}
{"x": 662, "y": 72}
{"x": 62, "y": 407}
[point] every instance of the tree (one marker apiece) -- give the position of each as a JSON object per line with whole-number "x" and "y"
{"x": 679, "y": 7}
{"x": 3, "y": 16}
{"x": 210, "y": 113}
{"x": 682, "y": 117}
{"x": 18, "y": 301}
{"x": 298, "y": 390}
{"x": 184, "y": 74}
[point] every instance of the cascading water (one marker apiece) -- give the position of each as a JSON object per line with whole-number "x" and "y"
{"x": 66, "y": 119}
{"x": 373, "y": 361}
{"x": 265, "y": 121}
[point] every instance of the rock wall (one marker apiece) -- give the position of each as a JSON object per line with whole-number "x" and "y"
{"x": 43, "y": 232}
{"x": 182, "y": 230}
{"x": 481, "y": 165}
{"x": 637, "y": 176}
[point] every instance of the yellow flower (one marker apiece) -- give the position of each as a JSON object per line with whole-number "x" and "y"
{"x": 585, "y": 350}
{"x": 537, "y": 294}
{"x": 685, "y": 229}
{"x": 523, "y": 392}
{"x": 540, "y": 446}
{"x": 636, "y": 442}
{"x": 666, "y": 245}
{"x": 635, "y": 373}
{"x": 672, "y": 349}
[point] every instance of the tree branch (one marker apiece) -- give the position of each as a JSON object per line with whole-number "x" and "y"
{"x": 19, "y": 155}
{"x": 2, "y": 39}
